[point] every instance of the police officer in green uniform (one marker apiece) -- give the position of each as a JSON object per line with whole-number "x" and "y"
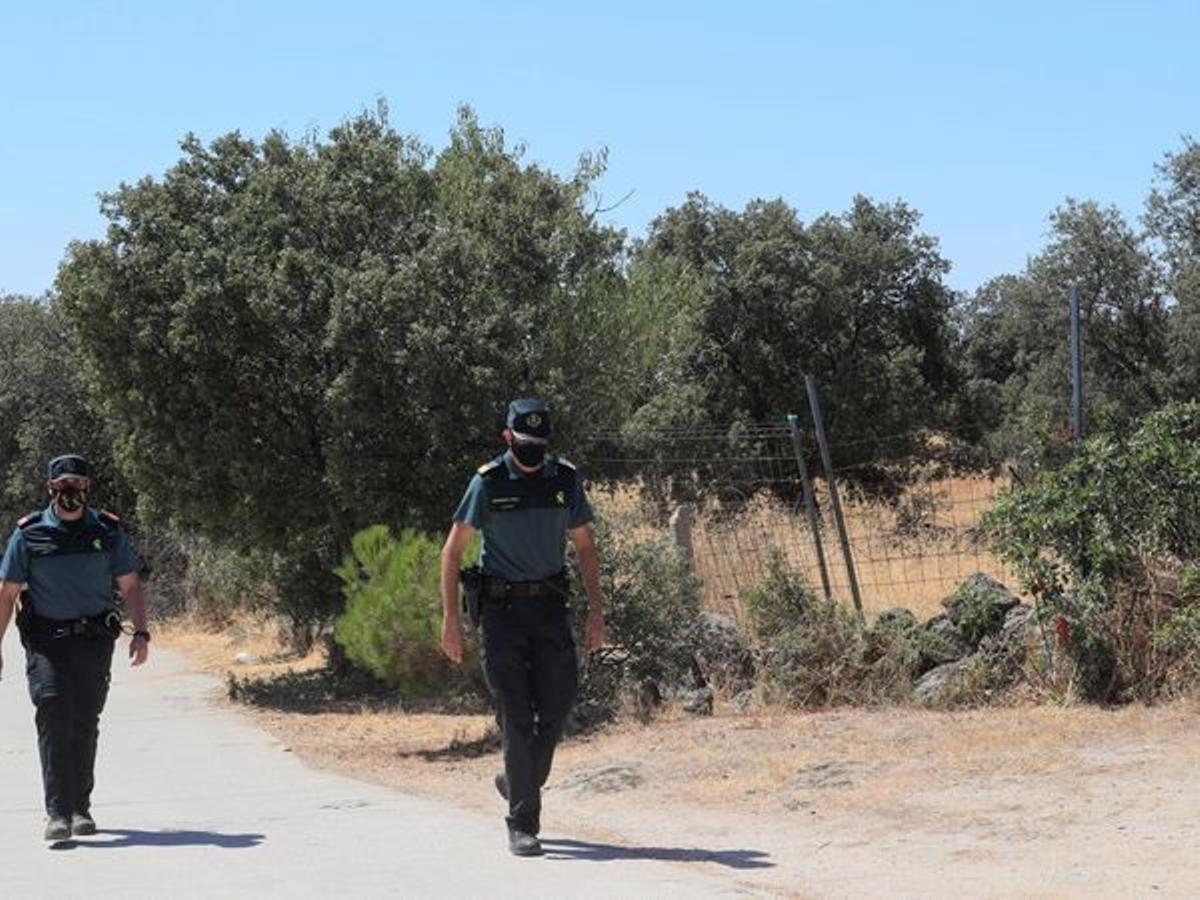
{"x": 525, "y": 503}
{"x": 61, "y": 564}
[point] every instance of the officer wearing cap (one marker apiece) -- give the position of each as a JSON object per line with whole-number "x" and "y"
{"x": 61, "y": 564}
{"x": 525, "y": 503}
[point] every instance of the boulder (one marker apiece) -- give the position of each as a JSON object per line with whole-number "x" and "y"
{"x": 979, "y": 606}
{"x": 941, "y": 686}
{"x": 942, "y": 642}
{"x": 608, "y": 779}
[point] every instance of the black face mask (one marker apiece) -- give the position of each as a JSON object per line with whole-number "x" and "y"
{"x": 71, "y": 499}
{"x": 531, "y": 456}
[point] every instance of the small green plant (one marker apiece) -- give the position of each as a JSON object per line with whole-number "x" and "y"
{"x": 780, "y": 601}
{"x": 652, "y": 604}
{"x": 392, "y": 623}
{"x": 819, "y": 660}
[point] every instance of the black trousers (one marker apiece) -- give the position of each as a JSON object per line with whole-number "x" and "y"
{"x": 68, "y": 684}
{"x": 530, "y": 665}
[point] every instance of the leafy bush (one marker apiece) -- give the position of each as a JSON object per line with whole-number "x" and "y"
{"x": 1103, "y": 543}
{"x": 218, "y": 582}
{"x": 392, "y": 623}
{"x": 819, "y": 661}
{"x": 652, "y": 604}
{"x": 777, "y": 603}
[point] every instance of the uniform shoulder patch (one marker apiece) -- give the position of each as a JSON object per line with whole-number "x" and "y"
{"x": 488, "y": 467}
{"x": 32, "y": 519}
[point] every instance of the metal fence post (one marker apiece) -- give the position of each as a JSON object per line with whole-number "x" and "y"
{"x": 810, "y": 505}
{"x": 814, "y": 402}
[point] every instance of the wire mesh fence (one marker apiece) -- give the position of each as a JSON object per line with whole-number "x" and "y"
{"x": 740, "y": 489}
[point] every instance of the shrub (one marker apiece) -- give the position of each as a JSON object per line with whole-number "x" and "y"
{"x": 780, "y": 601}
{"x": 1102, "y": 544}
{"x": 392, "y": 623}
{"x": 819, "y": 661}
{"x": 218, "y": 582}
{"x": 652, "y": 604}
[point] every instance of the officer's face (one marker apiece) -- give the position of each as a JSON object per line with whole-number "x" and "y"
{"x": 70, "y": 492}
{"x": 529, "y": 455}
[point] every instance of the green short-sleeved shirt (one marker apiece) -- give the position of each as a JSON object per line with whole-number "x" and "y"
{"x": 69, "y": 567}
{"x": 524, "y": 525}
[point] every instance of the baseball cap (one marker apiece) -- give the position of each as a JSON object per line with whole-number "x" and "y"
{"x": 529, "y": 420}
{"x": 69, "y": 465}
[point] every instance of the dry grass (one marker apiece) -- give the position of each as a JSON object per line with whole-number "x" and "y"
{"x": 913, "y": 554}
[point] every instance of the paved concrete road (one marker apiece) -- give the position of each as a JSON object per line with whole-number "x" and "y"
{"x": 193, "y": 801}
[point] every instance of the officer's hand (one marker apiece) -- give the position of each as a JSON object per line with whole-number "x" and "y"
{"x": 452, "y": 641}
{"x": 139, "y": 649}
{"x": 593, "y": 633}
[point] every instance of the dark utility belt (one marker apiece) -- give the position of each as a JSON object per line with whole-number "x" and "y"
{"x": 105, "y": 625}
{"x": 503, "y": 589}
{"x": 479, "y": 588}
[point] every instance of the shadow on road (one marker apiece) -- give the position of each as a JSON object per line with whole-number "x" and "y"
{"x": 592, "y": 852}
{"x": 107, "y": 838}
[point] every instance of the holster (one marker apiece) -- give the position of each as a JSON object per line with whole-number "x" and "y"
{"x": 471, "y": 579}
{"x": 24, "y": 614}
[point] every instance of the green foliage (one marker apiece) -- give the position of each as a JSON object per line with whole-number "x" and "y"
{"x": 747, "y": 303}
{"x": 45, "y": 411}
{"x": 778, "y": 602}
{"x": 219, "y": 582}
{"x": 652, "y": 601}
{"x": 1173, "y": 219}
{"x": 1016, "y": 354}
{"x": 819, "y": 661}
{"x": 1097, "y": 540}
{"x": 270, "y": 327}
{"x": 392, "y": 623}
{"x": 1114, "y": 507}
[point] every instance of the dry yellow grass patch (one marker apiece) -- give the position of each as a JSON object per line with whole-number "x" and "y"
{"x": 913, "y": 554}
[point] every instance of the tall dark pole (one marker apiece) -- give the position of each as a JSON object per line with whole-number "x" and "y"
{"x": 814, "y": 403}
{"x": 810, "y": 505}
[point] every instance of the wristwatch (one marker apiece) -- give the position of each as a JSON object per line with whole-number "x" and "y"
{"x": 144, "y": 635}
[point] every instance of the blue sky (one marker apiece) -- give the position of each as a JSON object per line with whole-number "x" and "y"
{"x": 982, "y": 116}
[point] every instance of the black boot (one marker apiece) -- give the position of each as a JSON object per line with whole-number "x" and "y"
{"x": 82, "y": 824}
{"x": 58, "y": 828}
{"x": 522, "y": 843}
